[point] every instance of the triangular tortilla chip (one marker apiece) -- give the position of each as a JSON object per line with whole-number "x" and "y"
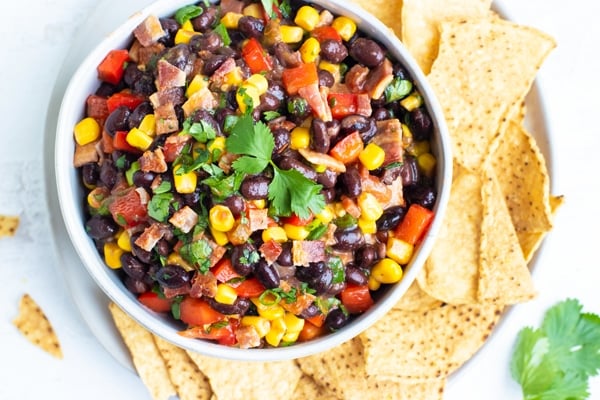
{"x": 35, "y": 326}
{"x": 8, "y": 225}
{"x": 503, "y": 274}
{"x": 387, "y": 11}
{"x": 421, "y": 19}
{"x": 145, "y": 355}
{"x": 190, "y": 383}
{"x": 531, "y": 241}
{"x": 477, "y": 88}
{"x": 415, "y": 299}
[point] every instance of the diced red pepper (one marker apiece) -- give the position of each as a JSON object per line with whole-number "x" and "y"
{"x": 120, "y": 142}
{"x": 317, "y": 320}
{"x": 296, "y": 220}
{"x": 342, "y": 104}
{"x": 224, "y": 271}
{"x": 107, "y": 142}
{"x": 197, "y": 312}
{"x": 323, "y": 33}
{"x": 249, "y": 288}
{"x": 126, "y": 99}
{"x": 255, "y": 57}
{"x": 222, "y": 333}
{"x": 112, "y": 67}
{"x": 154, "y": 302}
{"x": 299, "y": 77}
{"x": 348, "y": 149}
{"x": 127, "y": 209}
{"x": 415, "y": 224}
{"x": 356, "y": 299}
{"x": 311, "y": 331}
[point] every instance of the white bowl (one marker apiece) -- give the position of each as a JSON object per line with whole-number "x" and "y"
{"x": 70, "y": 193}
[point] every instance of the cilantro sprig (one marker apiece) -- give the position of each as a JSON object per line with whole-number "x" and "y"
{"x": 289, "y": 190}
{"x": 555, "y": 361}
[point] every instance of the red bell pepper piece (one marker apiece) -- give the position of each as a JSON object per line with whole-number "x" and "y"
{"x": 323, "y": 33}
{"x": 356, "y": 299}
{"x": 342, "y": 104}
{"x": 126, "y": 99}
{"x": 154, "y": 302}
{"x": 127, "y": 209}
{"x": 415, "y": 224}
{"x": 348, "y": 149}
{"x": 120, "y": 142}
{"x": 197, "y": 312}
{"x": 299, "y": 77}
{"x": 311, "y": 331}
{"x": 222, "y": 333}
{"x": 111, "y": 68}
{"x": 250, "y": 288}
{"x": 224, "y": 271}
{"x": 255, "y": 57}
{"x": 296, "y": 220}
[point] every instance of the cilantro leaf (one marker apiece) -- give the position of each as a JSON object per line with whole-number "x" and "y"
{"x": 291, "y": 192}
{"x": 197, "y": 253}
{"x": 250, "y": 139}
{"x": 158, "y": 207}
{"x": 250, "y": 165}
{"x": 397, "y": 89}
{"x": 221, "y": 30}
{"x": 186, "y": 13}
{"x": 555, "y": 361}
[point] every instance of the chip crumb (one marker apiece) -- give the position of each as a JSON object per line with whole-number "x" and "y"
{"x": 35, "y": 326}
{"x": 8, "y": 225}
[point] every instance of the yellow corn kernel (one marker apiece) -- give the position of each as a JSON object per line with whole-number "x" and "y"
{"x": 334, "y": 69}
{"x": 326, "y": 215}
{"x": 290, "y": 337}
{"x": 373, "y": 284}
{"x": 260, "y": 324}
{"x": 412, "y": 101}
{"x": 148, "y": 125}
{"x": 86, "y": 131}
{"x": 253, "y": 10}
{"x": 259, "y": 82}
{"x": 370, "y": 208}
{"x": 344, "y": 26}
{"x": 198, "y": 82}
{"x": 419, "y": 148}
{"x": 275, "y": 334}
{"x": 339, "y": 209}
{"x": 220, "y": 238}
{"x": 184, "y": 182}
{"x": 310, "y": 50}
{"x": 307, "y": 17}
{"x": 426, "y": 163}
{"x": 275, "y": 233}
{"x": 176, "y": 259}
{"x": 124, "y": 241}
{"x": 291, "y": 34}
{"x": 367, "y": 226}
{"x": 230, "y": 20}
{"x": 399, "y": 250}
{"x": 372, "y": 156}
{"x": 225, "y": 294}
{"x": 247, "y": 97}
{"x": 183, "y": 36}
{"x": 217, "y": 144}
{"x": 138, "y": 139}
{"x": 271, "y": 312}
{"x": 221, "y": 218}
{"x": 112, "y": 255}
{"x": 233, "y": 78}
{"x": 292, "y": 322}
{"x": 295, "y": 232}
{"x": 387, "y": 270}
{"x": 97, "y": 196}
{"x": 258, "y": 203}
{"x": 299, "y": 138}
{"x": 188, "y": 26}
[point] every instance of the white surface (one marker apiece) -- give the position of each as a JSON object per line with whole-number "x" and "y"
{"x": 38, "y": 35}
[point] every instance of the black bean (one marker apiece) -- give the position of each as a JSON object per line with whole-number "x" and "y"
{"x": 320, "y": 138}
{"x": 170, "y": 26}
{"x": 206, "y": 20}
{"x": 133, "y": 267}
{"x": 350, "y": 182}
{"x": 145, "y": 85}
{"x": 326, "y": 78}
{"x": 333, "y": 51}
{"x": 390, "y": 173}
{"x": 212, "y": 63}
{"x": 244, "y": 258}
{"x": 90, "y": 173}
{"x": 298, "y": 108}
{"x": 210, "y": 42}
{"x": 255, "y": 187}
{"x": 422, "y": 195}
{"x": 106, "y": 90}
{"x": 181, "y": 57}
{"x": 281, "y": 138}
{"x": 131, "y": 74}
{"x": 381, "y": 114}
{"x": 356, "y": 276}
{"x": 365, "y": 256}
{"x": 365, "y": 126}
{"x": 108, "y": 173}
{"x": 100, "y": 227}
{"x": 163, "y": 247}
{"x": 391, "y": 218}
{"x": 236, "y": 204}
{"x": 143, "y": 255}
{"x": 348, "y": 239}
{"x": 328, "y": 194}
{"x": 136, "y": 286}
{"x": 138, "y": 114}
{"x": 311, "y": 311}
{"x": 285, "y": 258}
{"x": 287, "y": 162}
{"x": 251, "y": 26}
{"x": 118, "y": 120}
{"x": 409, "y": 171}
{"x": 240, "y": 306}
{"x": 267, "y": 274}
{"x": 336, "y": 319}
{"x": 420, "y": 124}
{"x": 172, "y": 276}
{"x": 318, "y": 276}
{"x": 143, "y": 179}
{"x": 327, "y": 179}
{"x": 367, "y": 52}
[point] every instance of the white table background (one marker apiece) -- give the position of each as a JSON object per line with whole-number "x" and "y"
{"x": 37, "y": 36}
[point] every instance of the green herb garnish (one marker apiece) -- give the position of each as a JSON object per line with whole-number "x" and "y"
{"x": 197, "y": 253}
{"x": 398, "y": 89}
{"x": 221, "y": 30}
{"x": 186, "y": 13}
{"x": 158, "y": 207}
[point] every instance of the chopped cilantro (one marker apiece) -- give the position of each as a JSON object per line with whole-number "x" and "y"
{"x": 271, "y": 115}
{"x": 201, "y": 131}
{"x": 249, "y": 257}
{"x": 159, "y": 205}
{"x": 221, "y": 30}
{"x": 176, "y": 307}
{"x": 164, "y": 187}
{"x": 316, "y": 230}
{"x": 337, "y": 267}
{"x": 121, "y": 162}
{"x": 186, "y": 13}
{"x": 197, "y": 253}
{"x": 397, "y": 89}
{"x": 222, "y": 187}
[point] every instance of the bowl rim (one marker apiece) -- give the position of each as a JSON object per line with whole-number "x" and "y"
{"x": 69, "y": 200}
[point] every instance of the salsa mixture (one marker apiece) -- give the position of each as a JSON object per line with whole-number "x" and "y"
{"x": 258, "y": 170}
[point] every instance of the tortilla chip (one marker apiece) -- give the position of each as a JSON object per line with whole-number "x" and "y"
{"x": 387, "y": 11}
{"x": 35, "y": 326}
{"x": 421, "y": 19}
{"x": 415, "y": 299}
{"x": 308, "y": 388}
{"x": 145, "y": 355}
{"x": 190, "y": 383}
{"x": 484, "y": 68}
{"x": 531, "y": 241}
{"x": 342, "y": 371}
{"x": 248, "y": 380}
{"x": 432, "y": 344}
{"x": 451, "y": 271}
{"x": 8, "y": 225}
{"x": 503, "y": 274}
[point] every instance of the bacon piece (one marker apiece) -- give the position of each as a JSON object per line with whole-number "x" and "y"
{"x": 149, "y": 31}
{"x": 270, "y": 251}
{"x": 225, "y": 68}
{"x": 85, "y": 154}
{"x": 185, "y": 219}
{"x": 151, "y": 235}
{"x": 169, "y": 75}
{"x": 170, "y": 293}
{"x": 247, "y": 337}
{"x": 379, "y": 78}
{"x": 217, "y": 252}
{"x": 203, "y": 99}
{"x": 153, "y": 161}
{"x": 305, "y": 252}
{"x": 173, "y": 95}
{"x": 204, "y": 285}
{"x": 145, "y": 55}
{"x": 96, "y": 107}
{"x": 363, "y": 105}
{"x": 173, "y": 146}
{"x": 258, "y": 219}
{"x": 281, "y": 122}
{"x": 356, "y": 78}
{"x": 166, "y": 119}
{"x": 316, "y": 158}
{"x": 239, "y": 234}
{"x": 317, "y": 100}
{"x": 389, "y": 138}
{"x": 235, "y": 6}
